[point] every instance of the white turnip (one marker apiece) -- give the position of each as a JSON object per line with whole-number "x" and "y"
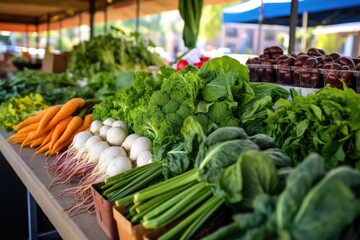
{"x": 116, "y": 136}
{"x": 103, "y": 131}
{"x": 140, "y": 145}
{"x": 108, "y": 155}
{"x": 95, "y": 126}
{"x": 119, "y": 123}
{"x": 129, "y": 140}
{"x": 118, "y": 165}
{"x": 109, "y": 121}
{"x": 143, "y": 158}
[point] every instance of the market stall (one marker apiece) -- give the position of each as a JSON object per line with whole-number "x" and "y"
{"x": 211, "y": 149}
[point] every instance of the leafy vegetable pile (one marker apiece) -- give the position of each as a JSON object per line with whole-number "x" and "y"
{"x": 54, "y": 88}
{"x": 215, "y": 96}
{"x": 315, "y": 204}
{"x": 112, "y": 53}
{"x": 326, "y": 122}
{"x": 17, "y": 109}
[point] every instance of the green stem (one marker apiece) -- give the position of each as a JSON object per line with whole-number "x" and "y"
{"x": 123, "y": 175}
{"x": 200, "y": 218}
{"x": 183, "y": 205}
{"x": 165, "y": 186}
{"x": 193, "y": 220}
{"x": 116, "y": 185}
{"x": 136, "y": 185}
{"x": 125, "y": 202}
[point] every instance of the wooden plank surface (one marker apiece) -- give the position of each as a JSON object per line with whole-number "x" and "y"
{"x": 33, "y": 173}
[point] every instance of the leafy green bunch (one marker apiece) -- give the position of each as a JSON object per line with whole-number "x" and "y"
{"x": 162, "y": 117}
{"x": 315, "y": 204}
{"x": 122, "y": 104}
{"x": 113, "y": 52}
{"x": 326, "y": 122}
{"x": 55, "y": 88}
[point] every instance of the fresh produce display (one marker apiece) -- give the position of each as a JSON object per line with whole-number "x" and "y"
{"x": 315, "y": 204}
{"x": 105, "y": 150}
{"x": 187, "y": 152}
{"x": 326, "y": 122}
{"x": 118, "y": 51}
{"x": 53, "y": 129}
{"x": 54, "y": 88}
{"x": 17, "y": 109}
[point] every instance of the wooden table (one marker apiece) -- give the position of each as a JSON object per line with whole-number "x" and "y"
{"x": 34, "y": 175}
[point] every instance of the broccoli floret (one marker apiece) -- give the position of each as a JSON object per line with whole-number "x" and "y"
{"x": 159, "y": 98}
{"x": 171, "y": 107}
{"x": 183, "y": 88}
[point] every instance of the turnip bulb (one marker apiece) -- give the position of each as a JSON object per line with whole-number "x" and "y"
{"x": 129, "y": 140}
{"x": 118, "y": 165}
{"x": 140, "y": 145}
{"x": 109, "y": 121}
{"x": 95, "y": 126}
{"x": 144, "y": 158}
{"x": 116, "y": 136}
{"x": 103, "y": 131}
{"x": 119, "y": 123}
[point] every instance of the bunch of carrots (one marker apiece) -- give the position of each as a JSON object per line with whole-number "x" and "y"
{"x": 53, "y": 129}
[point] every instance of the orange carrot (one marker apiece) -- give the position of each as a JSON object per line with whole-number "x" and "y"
{"x": 62, "y": 146}
{"x": 32, "y": 119}
{"x": 48, "y": 137}
{"x": 29, "y": 128}
{"x": 49, "y": 115}
{"x": 32, "y": 136}
{"x": 66, "y": 110}
{"x": 75, "y": 123}
{"x": 42, "y": 149}
{"x": 16, "y": 137}
{"x": 59, "y": 130}
{"x": 87, "y": 122}
{"x": 37, "y": 142}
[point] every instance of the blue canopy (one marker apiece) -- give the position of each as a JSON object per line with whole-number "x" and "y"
{"x": 320, "y": 12}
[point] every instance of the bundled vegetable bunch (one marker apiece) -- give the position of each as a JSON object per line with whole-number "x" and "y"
{"x": 326, "y": 122}
{"x": 106, "y": 149}
{"x": 111, "y": 53}
{"x": 17, "y": 109}
{"x": 53, "y": 129}
{"x": 314, "y": 204}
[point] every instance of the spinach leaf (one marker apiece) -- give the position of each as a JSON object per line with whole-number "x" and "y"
{"x": 298, "y": 183}
{"x": 253, "y": 173}
{"x": 326, "y": 210}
